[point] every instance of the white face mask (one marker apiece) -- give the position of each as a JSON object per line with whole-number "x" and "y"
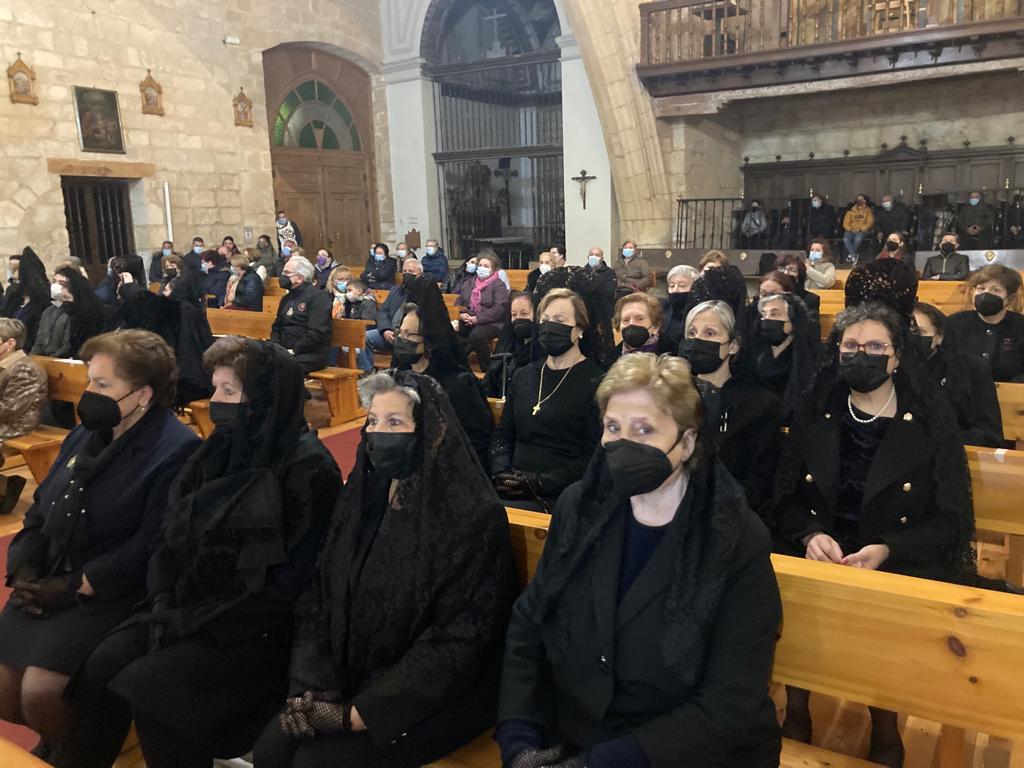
{"x": 56, "y": 292}
{"x": 483, "y": 272}
{"x": 544, "y": 268}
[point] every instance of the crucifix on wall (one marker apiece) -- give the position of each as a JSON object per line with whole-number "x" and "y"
{"x": 582, "y": 180}
{"x": 507, "y": 172}
{"x": 496, "y": 50}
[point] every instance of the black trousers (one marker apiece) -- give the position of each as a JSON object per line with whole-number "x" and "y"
{"x": 191, "y": 701}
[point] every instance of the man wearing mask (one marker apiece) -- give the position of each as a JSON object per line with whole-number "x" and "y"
{"x": 821, "y": 219}
{"x": 892, "y": 216}
{"x": 193, "y": 258}
{"x": 434, "y": 261}
{"x": 950, "y": 264}
{"x": 303, "y": 325}
{"x": 974, "y": 223}
{"x": 754, "y": 226}
{"x": 391, "y": 314}
{"x": 156, "y": 262}
{"x": 287, "y": 230}
{"x": 1015, "y": 221}
{"x": 602, "y": 275}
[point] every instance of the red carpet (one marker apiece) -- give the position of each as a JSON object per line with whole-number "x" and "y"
{"x": 343, "y": 448}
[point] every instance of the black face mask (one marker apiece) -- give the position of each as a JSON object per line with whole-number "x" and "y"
{"x": 392, "y": 453}
{"x": 635, "y": 336}
{"x": 99, "y": 412}
{"x": 522, "y": 329}
{"x": 892, "y": 245}
{"x": 285, "y": 282}
{"x": 636, "y": 468}
{"x": 863, "y": 372}
{"x": 703, "y": 355}
{"x": 678, "y": 300}
{"x": 406, "y": 353}
{"x": 172, "y": 273}
{"x": 988, "y": 304}
{"x": 555, "y": 338}
{"x": 772, "y": 331}
{"x": 947, "y": 248}
{"x": 923, "y": 344}
{"x": 226, "y": 416}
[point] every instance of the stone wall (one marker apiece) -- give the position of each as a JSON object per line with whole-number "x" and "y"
{"x": 219, "y": 174}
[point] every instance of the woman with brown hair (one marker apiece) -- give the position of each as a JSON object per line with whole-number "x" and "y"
{"x": 78, "y": 566}
{"x": 994, "y": 330}
{"x": 245, "y": 288}
{"x": 821, "y": 272}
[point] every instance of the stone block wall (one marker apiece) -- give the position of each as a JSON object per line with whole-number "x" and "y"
{"x": 219, "y": 174}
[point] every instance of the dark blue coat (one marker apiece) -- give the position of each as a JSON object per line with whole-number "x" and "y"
{"x": 249, "y": 293}
{"x": 436, "y": 265}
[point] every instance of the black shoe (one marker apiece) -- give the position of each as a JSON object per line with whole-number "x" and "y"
{"x": 888, "y": 753}
{"x": 15, "y": 485}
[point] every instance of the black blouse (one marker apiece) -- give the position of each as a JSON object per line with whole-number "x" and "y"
{"x": 858, "y": 445}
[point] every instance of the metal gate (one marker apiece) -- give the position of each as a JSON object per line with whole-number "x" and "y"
{"x": 99, "y": 219}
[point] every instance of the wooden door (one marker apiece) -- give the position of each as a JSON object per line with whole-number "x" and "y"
{"x": 902, "y": 184}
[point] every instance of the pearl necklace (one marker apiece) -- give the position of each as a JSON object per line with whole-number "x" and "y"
{"x": 855, "y": 417}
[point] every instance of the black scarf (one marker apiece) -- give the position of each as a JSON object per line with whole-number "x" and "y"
{"x": 66, "y": 539}
{"x": 225, "y": 513}
{"x": 714, "y": 516}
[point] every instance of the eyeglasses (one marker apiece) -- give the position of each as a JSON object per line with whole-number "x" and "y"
{"x": 871, "y": 347}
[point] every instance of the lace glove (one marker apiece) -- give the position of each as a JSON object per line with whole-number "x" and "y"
{"x": 47, "y": 597}
{"x": 542, "y": 758}
{"x": 512, "y": 485}
{"x": 312, "y": 713}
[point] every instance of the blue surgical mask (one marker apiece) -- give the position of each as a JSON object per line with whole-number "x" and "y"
{"x": 975, "y": 201}
{"x": 282, "y": 221}
{"x": 401, "y": 253}
{"x": 340, "y": 285}
{"x": 205, "y": 266}
{"x": 371, "y": 253}
{"x": 286, "y": 250}
{"x": 431, "y": 250}
{"x": 815, "y": 256}
{"x": 197, "y": 249}
{"x": 378, "y": 257}
{"x": 165, "y": 252}
{"x": 887, "y": 206}
{"x": 816, "y": 203}
{"x": 627, "y": 253}
{"x": 594, "y": 261}
{"x": 483, "y": 272}
{"x": 471, "y": 268}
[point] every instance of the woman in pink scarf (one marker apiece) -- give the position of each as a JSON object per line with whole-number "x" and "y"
{"x": 483, "y": 298}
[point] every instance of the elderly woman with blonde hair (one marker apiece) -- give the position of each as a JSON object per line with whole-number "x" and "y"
{"x": 647, "y": 636}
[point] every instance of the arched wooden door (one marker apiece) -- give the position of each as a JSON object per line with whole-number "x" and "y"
{"x": 321, "y": 148}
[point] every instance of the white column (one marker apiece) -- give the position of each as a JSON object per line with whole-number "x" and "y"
{"x": 584, "y": 149}
{"x": 413, "y": 141}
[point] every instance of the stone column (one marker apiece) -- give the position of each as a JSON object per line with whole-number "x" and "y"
{"x": 410, "y": 98}
{"x": 584, "y": 149}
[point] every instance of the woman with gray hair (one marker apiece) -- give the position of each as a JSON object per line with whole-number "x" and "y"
{"x": 23, "y": 389}
{"x": 680, "y": 281}
{"x": 742, "y": 418}
{"x": 399, "y": 638}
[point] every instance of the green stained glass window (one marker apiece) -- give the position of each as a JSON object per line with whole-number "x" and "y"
{"x": 313, "y": 117}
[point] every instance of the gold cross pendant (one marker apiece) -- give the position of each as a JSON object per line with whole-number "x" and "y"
{"x": 536, "y": 408}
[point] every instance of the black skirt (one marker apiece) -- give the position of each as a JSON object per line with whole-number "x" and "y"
{"x": 58, "y": 643}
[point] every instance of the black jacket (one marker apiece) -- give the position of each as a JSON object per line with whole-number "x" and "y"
{"x": 916, "y": 498}
{"x": 745, "y": 422}
{"x": 682, "y": 662}
{"x": 898, "y": 219}
{"x": 380, "y": 274}
{"x": 956, "y": 266}
{"x": 821, "y": 222}
{"x": 388, "y": 315}
{"x": 303, "y": 323}
{"x": 967, "y": 382}
{"x": 215, "y": 284}
{"x": 1001, "y": 345}
{"x": 53, "y": 337}
{"x": 249, "y": 292}
{"x": 470, "y": 406}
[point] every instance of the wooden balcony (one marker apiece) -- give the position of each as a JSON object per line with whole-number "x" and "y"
{"x": 694, "y": 46}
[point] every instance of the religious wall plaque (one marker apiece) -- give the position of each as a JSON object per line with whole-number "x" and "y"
{"x": 99, "y": 120}
{"x": 243, "y": 109}
{"x": 152, "y": 96}
{"x": 21, "y": 79}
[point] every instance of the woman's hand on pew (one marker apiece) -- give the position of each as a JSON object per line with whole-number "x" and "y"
{"x": 871, "y": 557}
{"x": 823, "y": 548}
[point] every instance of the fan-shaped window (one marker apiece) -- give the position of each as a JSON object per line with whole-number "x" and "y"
{"x": 313, "y": 117}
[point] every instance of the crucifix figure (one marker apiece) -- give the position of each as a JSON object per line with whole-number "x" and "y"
{"x": 506, "y": 172}
{"x": 496, "y": 49}
{"x": 582, "y": 180}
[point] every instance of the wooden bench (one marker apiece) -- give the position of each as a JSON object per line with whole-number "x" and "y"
{"x": 13, "y": 756}
{"x": 517, "y": 278}
{"x": 948, "y": 296}
{"x": 943, "y": 652}
{"x": 339, "y": 384}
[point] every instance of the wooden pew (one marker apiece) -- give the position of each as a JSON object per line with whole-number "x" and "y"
{"x": 517, "y": 278}
{"x": 67, "y": 380}
{"x": 13, "y": 756}
{"x": 1011, "y": 406}
{"x": 339, "y": 384}
{"x": 939, "y": 651}
{"x": 949, "y": 296}
{"x": 997, "y": 478}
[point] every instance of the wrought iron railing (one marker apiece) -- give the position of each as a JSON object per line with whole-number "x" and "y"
{"x": 731, "y": 223}
{"x": 678, "y": 31}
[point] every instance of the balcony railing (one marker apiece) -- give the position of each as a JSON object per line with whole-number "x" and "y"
{"x": 677, "y": 31}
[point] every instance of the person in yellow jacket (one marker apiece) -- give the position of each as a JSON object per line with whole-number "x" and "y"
{"x": 857, "y": 222}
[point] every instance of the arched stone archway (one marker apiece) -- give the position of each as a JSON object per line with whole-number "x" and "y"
{"x": 320, "y": 122}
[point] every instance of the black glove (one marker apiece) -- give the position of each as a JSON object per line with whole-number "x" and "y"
{"x": 512, "y": 485}
{"x": 553, "y": 757}
{"x": 159, "y": 618}
{"x": 47, "y": 597}
{"x": 314, "y": 713}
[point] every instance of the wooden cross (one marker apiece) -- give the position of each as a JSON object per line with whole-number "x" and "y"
{"x": 582, "y": 180}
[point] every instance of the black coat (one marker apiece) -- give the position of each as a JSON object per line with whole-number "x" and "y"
{"x": 124, "y": 508}
{"x": 745, "y": 422}
{"x": 389, "y": 311}
{"x": 967, "y": 382}
{"x": 380, "y": 274}
{"x": 1001, "y": 345}
{"x": 470, "y": 406}
{"x": 215, "y": 284}
{"x": 914, "y": 497}
{"x": 821, "y": 222}
{"x": 898, "y": 219}
{"x": 249, "y": 293}
{"x": 956, "y": 266}
{"x": 304, "y": 325}
{"x": 682, "y": 662}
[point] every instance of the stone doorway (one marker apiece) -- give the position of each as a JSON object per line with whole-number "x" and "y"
{"x": 321, "y": 149}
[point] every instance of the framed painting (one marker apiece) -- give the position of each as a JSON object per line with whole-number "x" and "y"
{"x": 99, "y": 120}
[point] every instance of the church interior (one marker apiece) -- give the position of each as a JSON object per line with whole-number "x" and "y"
{"x": 341, "y": 244}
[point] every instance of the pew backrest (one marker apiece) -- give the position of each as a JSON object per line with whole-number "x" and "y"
{"x": 1011, "y": 407}
{"x": 67, "y": 379}
{"x": 257, "y": 325}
